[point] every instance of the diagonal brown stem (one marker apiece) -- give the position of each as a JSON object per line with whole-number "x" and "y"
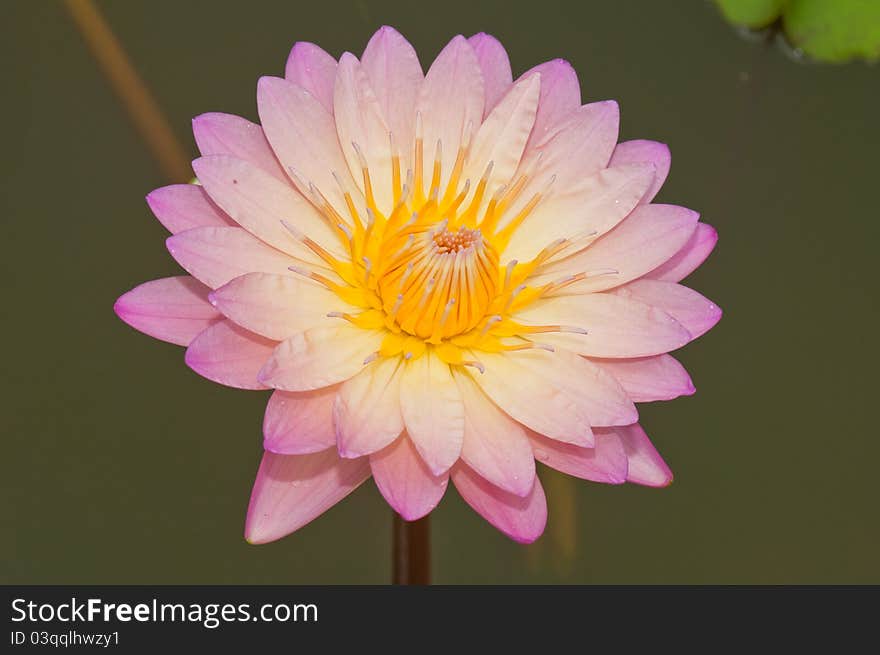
{"x": 130, "y": 89}
{"x": 411, "y": 552}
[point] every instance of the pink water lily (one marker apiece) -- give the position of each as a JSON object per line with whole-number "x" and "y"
{"x": 441, "y": 275}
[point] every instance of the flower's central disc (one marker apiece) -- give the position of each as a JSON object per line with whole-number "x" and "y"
{"x": 441, "y": 282}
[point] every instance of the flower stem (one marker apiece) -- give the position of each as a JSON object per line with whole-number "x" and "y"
{"x": 142, "y": 109}
{"x": 411, "y": 551}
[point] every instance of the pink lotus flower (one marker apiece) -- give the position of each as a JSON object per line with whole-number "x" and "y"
{"x": 442, "y": 276}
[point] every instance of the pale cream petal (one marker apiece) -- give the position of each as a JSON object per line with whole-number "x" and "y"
{"x": 589, "y": 207}
{"x": 649, "y": 236}
{"x": 495, "y": 445}
{"x": 503, "y": 135}
{"x": 433, "y": 411}
{"x": 615, "y": 326}
{"x": 451, "y": 99}
{"x": 302, "y": 133}
{"x": 396, "y": 77}
{"x": 216, "y": 255}
{"x": 278, "y": 306}
{"x": 367, "y": 409}
{"x": 262, "y": 205}
{"x": 558, "y": 394}
{"x": 319, "y": 357}
{"x": 363, "y": 133}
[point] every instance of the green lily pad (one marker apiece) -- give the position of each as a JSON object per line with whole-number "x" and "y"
{"x": 826, "y": 30}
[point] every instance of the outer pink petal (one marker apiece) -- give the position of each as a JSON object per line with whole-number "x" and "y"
{"x": 362, "y": 130}
{"x": 495, "y": 445}
{"x": 451, "y": 99}
{"x": 278, "y": 306}
{"x": 689, "y": 258}
{"x": 616, "y": 325}
{"x": 522, "y": 518}
{"x": 302, "y": 133}
{"x": 645, "y": 464}
{"x": 560, "y": 95}
{"x": 227, "y": 134}
{"x": 692, "y": 310}
{"x": 173, "y": 309}
{"x": 228, "y": 354}
{"x": 182, "y": 207}
{"x": 649, "y": 236}
{"x": 495, "y": 66}
{"x": 432, "y": 410}
{"x": 606, "y": 462}
{"x": 405, "y": 481}
{"x": 314, "y": 70}
{"x": 299, "y": 423}
{"x": 367, "y": 409}
{"x": 263, "y": 205}
{"x": 396, "y": 76}
{"x": 216, "y": 255}
{"x": 291, "y": 490}
{"x": 319, "y": 357}
{"x": 645, "y": 152}
{"x": 646, "y": 379}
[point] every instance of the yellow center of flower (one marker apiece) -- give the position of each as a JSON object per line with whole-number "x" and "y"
{"x": 428, "y": 271}
{"x": 441, "y": 283}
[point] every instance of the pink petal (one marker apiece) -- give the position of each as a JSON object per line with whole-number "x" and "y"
{"x": 606, "y": 462}
{"x": 450, "y": 100}
{"x": 302, "y": 133}
{"x": 432, "y": 410}
{"x": 649, "y": 236}
{"x": 688, "y": 307}
{"x": 405, "y": 481}
{"x": 367, "y": 409}
{"x": 560, "y": 95}
{"x": 261, "y": 204}
{"x": 361, "y": 127}
{"x": 173, "y": 309}
{"x": 182, "y": 207}
{"x": 645, "y": 152}
{"x": 228, "y": 354}
{"x": 617, "y": 325}
{"x": 502, "y": 136}
{"x": 522, "y": 518}
{"x": 581, "y": 146}
{"x": 291, "y": 490}
{"x": 278, "y": 306}
{"x": 558, "y": 394}
{"x": 494, "y": 445}
{"x": 646, "y": 379}
{"x": 299, "y": 423}
{"x": 645, "y": 464}
{"x": 591, "y": 206}
{"x": 216, "y": 255}
{"x": 226, "y": 134}
{"x": 319, "y": 357}
{"x": 396, "y": 76}
{"x": 314, "y": 70}
{"x": 495, "y": 66}
{"x": 689, "y": 257}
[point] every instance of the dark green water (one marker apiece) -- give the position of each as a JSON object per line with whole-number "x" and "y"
{"x": 121, "y": 465}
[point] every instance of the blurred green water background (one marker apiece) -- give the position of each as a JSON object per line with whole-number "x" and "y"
{"x": 122, "y": 466}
